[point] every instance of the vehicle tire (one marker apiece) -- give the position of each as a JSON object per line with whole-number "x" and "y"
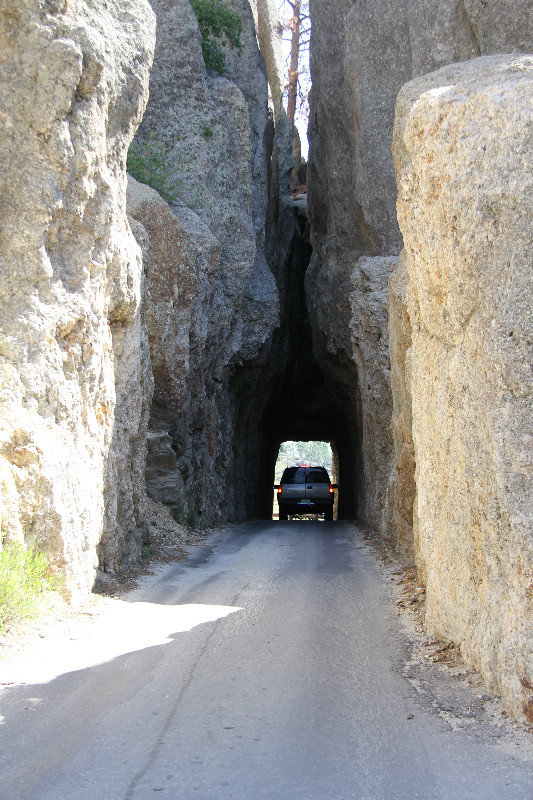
{"x": 283, "y": 517}
{"x": 328, "y": 516}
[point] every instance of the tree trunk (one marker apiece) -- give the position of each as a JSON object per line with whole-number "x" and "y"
{"x": 293, "y": 67}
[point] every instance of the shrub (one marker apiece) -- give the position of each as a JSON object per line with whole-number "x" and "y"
{"x": 177, "y": 513}
{"x": 147, "y": 162}
{"x": 207, "y": 132}
{"x": 192, "y": 518}
{"x": 218, "y": 26}
{"x": 24, "y": 577}
{"x": 147, "y": 551}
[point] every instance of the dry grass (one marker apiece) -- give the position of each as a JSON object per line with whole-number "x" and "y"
{"x": 25, "y": 577}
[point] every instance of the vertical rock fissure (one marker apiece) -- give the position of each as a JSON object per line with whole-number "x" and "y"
{"x": 293, "y": 396}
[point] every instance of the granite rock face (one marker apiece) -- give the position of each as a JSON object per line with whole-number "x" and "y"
{"x": 347, "y": 279}
{"x": 361, "y": 54}
{"x": 212, "y": 301}
{"x": 387, "y": 44}
{"x": 463, "y": 151}
{"x": 73, "y": 359}
{"x": 348, "y": 308}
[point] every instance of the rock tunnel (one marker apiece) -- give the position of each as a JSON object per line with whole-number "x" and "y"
{"x": 298, "y": 395}
{"x": 240, "y": 362}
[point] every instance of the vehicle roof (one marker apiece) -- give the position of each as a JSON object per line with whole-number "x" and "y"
{"x": 305, "y": 466}
{"x": 307, "y": 469}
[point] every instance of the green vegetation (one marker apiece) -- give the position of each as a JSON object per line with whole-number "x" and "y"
{"x": 24, "y": 577}
{"x": 147, "y": 162}
{"x": 219, "y": 26}
{"x": 317, "y": 454}
{"x": 192, "y": 518}
{"x": 147, "y": 552}
{"x": 177, "y": 513}
{"x": 207, "y": 132}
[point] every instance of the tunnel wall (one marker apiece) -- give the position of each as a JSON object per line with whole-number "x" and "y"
{"x": 347, "y": 280}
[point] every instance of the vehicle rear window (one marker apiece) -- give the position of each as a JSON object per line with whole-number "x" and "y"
{"x": 305, "y": 475}
{"x": 293, "y": 475}
{"x": 317, "y": 476}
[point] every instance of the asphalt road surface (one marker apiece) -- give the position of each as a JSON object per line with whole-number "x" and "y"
{"x": 265, "y": 667}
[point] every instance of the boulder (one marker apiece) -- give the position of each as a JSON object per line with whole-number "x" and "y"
{"x": 163, "y": 478}
{"x": 463, "y": 147}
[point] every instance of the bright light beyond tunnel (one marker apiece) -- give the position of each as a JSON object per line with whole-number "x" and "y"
{"x": 292, "y": 454}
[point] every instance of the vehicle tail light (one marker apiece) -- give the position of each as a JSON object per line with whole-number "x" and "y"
{"x": 279, "y": 489}
{"x": 331, "y": 489}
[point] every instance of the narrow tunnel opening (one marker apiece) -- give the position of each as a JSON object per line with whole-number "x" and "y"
{"x": 230, "y": 383}
{"x": 216, "y": 430}
{"x": 311, "y": 454}
{"x": 296, "y": 396}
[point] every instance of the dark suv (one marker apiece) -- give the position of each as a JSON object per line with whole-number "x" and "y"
{"x": 305, "y": 490}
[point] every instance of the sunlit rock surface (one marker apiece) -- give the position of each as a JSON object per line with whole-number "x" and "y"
{"x": 75, "y": 377}
{"x": 463, "y": 151}
{"x": 270, "y": 37}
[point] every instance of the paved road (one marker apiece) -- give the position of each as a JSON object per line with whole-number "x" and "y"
{"x": 265, "y": 667}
